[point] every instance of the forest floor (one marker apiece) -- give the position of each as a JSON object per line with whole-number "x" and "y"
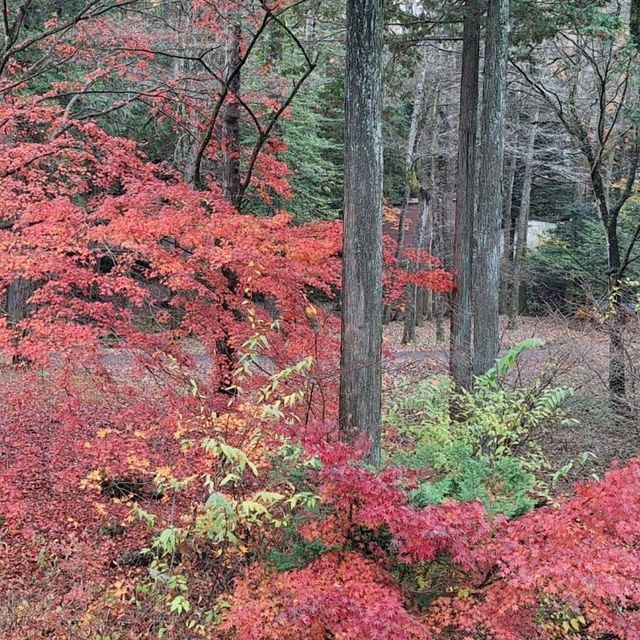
{"x": 573, "y": 354}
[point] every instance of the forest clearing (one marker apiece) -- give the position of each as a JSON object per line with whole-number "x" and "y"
{"x": 319, "y": 320}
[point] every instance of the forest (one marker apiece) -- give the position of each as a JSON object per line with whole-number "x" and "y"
{"x": 320, "y": 319}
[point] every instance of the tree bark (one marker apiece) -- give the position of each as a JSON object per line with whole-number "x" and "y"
{"x": 181, "y": 19}
{"x": 18, "y": 308}
{"x": 231, "y": 120}
{"x": 487, "y": 255}
{"x": 361, "y": 347}
{"x": 634, "y": 22}
{"x": 442, "y": 237}
{"x": 415, "y": 295}
{"x": 617, "y": 365}
{"x": 461, "y": 313}
{"x": 507, "y": 235}
{"x": 507, "y": 224}
{"x": 412, "y": 308}
{"x": 412, "y": 142}
{"x": 18, "y": 294}
{"x": 523, "y": 223}
{"x": 439, "y": 250}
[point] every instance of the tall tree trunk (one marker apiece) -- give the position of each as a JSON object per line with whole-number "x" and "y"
{"x": 507, "y": 235}
{"x": 507, "y": 222}
{"x": 231, "y": 119}
{"x": 426, "y": 296}
{"x": 617, "y": 363}
{"x": 415, "y": 295}
{"x": 461, "y": 312}
{"x": 442, "y": 239}
{"x": 523, "y": 223}
{"x": 412, "y": 142}
{"x": 181, "y": 19}
{"x": 609, "y": 220}
{"x": 487, "y": 256}
{"x": 412, "y": 309}
{"x": 439, "y": 248}
{"x": 361, "y": 348}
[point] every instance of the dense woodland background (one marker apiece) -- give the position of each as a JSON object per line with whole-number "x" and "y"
{"x": 312, "y": 315}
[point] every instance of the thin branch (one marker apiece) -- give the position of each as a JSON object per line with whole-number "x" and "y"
{"x": 267, "y": 132}
{"x": 206, "y": 139}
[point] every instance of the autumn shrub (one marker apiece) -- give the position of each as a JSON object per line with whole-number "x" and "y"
{"x": 375, "y": 565}
{"x": 569, "y": 571}
{"x": 382, "y": 567}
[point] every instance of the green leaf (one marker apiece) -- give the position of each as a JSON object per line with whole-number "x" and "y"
{"x": 179, "y": 605}
{"x": 219, "y": 501}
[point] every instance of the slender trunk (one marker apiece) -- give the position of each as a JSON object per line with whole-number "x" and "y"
{"x": 311, "y": 27}
{"x": 426, "y": 297}
{"x": 609, "y": 221}
{"x": 231, "y": 120}
{"x": 361, "y": 347}
{"x": 416, "y": 295}
{"x": 617, "y": 365}
{"x": 424, "y": 300}
{"x": 412, "y": 309}
{"x": 523, "y": 224}
{"x": 508, "y": 210}
{"x": 181, "y": 20}
{"x": 507, "y": 225}
{"x": 438, "y": 249}
{"x": 487, "y": 256}
{"x": 461, "y": 354}
{"x": 412, "y": 142}
{"x": 442, "y": 241}
{"x": 387, "y": 312}
{"x": 634, "y": 22}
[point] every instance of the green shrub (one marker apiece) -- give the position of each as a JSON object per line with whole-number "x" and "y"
{"x": 477, "y": 445}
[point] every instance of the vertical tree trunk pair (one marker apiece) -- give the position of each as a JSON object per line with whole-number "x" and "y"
{"x": 487, "y": 255}
{"x": 461, "y": 312}
{"x": 228, "y": 107}
{"x": 361, "y": 347}
{"x": 183, "y": 18}
{"x": 478, "y": 313}
{"x": 180, "y": 18}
